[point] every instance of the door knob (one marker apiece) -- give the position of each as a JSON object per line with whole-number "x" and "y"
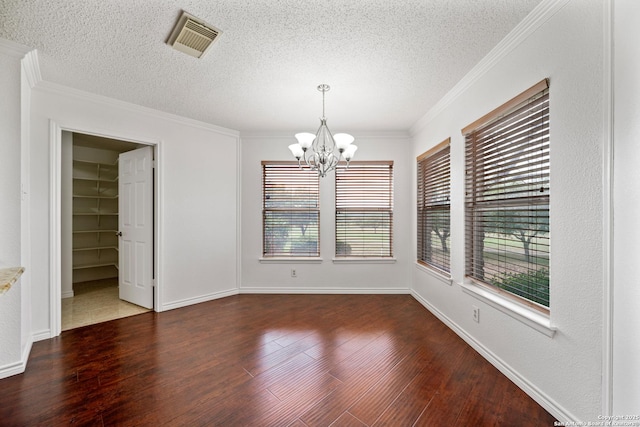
{"x": 119, "y": 233}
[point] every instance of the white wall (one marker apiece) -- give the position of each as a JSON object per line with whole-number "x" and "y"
{"x": 626, "y": 205}
{"x": 198, "y": 179}
{"x": 27, "y": 76}
{"x": 566, "y": 45}
{"x": 13, "y": 342}
{"x": 10, "y": 155}
{"x": 326, "y": 276}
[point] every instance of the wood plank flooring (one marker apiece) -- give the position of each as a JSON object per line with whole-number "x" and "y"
{"x": 267, "y": 360}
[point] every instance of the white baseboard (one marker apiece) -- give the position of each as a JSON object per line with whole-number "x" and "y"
{"x": 17, "y": 367}
{"x": 534, "y": 392}
{"x": 196, "y": 300}
{"x": 12, "y": 369}
{"x": 322, "y": 290}
{"x": 68, "y": 294}
{"x": 42, "y": 335}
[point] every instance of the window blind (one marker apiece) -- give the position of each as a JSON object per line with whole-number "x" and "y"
{"x": 290, "y": 210}
{"x": 364, "y": 210}
{"x": 507, "y": 198}
{"x": 434, "y": 188}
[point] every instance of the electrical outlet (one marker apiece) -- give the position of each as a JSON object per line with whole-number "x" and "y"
{"x": 476, "y": 314}
{"x": 293, "y": 273}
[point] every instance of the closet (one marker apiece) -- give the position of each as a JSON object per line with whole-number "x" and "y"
{"x": 90, "y": 208}
{"x": 94, "y": 287}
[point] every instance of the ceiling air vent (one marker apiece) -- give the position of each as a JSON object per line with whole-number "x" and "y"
{"x": 193, "y": 36}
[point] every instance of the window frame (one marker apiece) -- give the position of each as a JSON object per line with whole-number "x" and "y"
{"x": 478, "y": 206}
{"x": 433, "y": 172}
{"x": 342, "y": 198}
{"x": 312, "y": 202}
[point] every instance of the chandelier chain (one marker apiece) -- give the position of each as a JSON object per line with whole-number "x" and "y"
{"x": 323, "y": 88}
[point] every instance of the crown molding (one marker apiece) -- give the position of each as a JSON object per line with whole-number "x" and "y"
{"x": 11, "y": 48}
{"x": 31, "y": 67}
{"x": 538, "y": 16}
{"x": 61, "y": 90}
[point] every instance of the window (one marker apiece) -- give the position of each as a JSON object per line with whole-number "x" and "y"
{"x": 364, "y": 210}
{"x": 290, "y": 210}
{"x": 507, "y": 198}
{"x": 434, "y": 207}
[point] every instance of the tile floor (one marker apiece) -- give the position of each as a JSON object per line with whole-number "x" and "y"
{"x": 95, "y": 302}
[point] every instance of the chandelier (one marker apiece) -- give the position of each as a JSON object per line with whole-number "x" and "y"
{"x": 323, "y": 157}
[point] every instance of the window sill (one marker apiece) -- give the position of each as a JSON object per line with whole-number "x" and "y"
{"x": 356, "y": 260}
{"x": 290, "y": 260}
{"x": 440, "y": 276}
{"x": 530, "y": 317}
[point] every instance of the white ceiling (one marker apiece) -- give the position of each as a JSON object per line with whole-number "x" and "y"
{"x": 387, "y": 61}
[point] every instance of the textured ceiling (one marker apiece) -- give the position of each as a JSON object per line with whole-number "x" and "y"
{"x": 387, "y": 61}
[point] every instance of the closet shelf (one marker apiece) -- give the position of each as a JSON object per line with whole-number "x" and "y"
{"x": 96, "y": 248}
{"x": 81, "y": 178}
{"x": 105, "y": 264}
{"x": 85, "y": 196}
{"x": 94, "y": 231}
{"x": 92, "y": 162}
{"x": 96, "y": 213}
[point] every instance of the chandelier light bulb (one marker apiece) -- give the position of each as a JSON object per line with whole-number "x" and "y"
{"x": 349, "y": 152}
{"x": 305, "y": 139}
{"x": 343, "y": 140}
{"x": 296, "y": 150}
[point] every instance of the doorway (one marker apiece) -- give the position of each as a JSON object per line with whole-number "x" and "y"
{"x": 91, "y": 230}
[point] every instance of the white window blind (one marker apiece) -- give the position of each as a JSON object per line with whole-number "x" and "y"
{"x": 290, "y": 210}
{"x": 364, "y": 210}
{"x": 434, "y": 188}
{"x": 507, "y": 198}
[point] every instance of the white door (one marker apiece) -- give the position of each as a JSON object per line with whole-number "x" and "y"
{"x": 135, "y": 196}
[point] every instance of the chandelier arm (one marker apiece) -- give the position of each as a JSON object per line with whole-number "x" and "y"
{"x": 311, "y": 162}
{"x": 334, "y": 162}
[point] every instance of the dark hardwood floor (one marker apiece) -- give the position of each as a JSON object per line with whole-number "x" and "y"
{"x": 267, "y": 360}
